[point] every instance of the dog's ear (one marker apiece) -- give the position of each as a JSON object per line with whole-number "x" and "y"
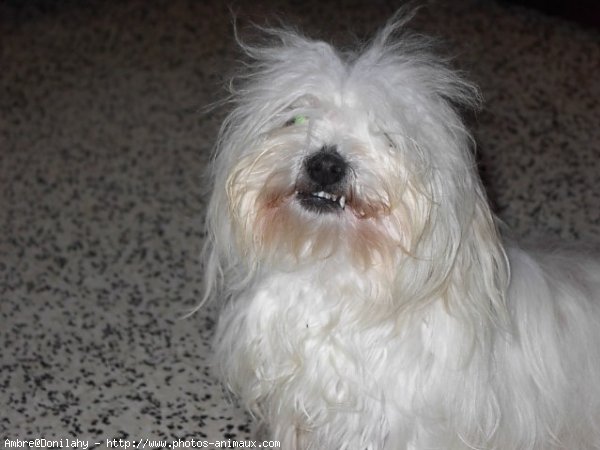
{"x": 478, "y": 275}
{"x": 457, "y": 252}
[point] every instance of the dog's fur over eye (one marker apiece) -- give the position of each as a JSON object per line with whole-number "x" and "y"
{"x": 369, "y": 299}
{"x": 296, "y": 120}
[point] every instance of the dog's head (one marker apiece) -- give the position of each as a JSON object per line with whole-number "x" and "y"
{"x": 353, "y": 159}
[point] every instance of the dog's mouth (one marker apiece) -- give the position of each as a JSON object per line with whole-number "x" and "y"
{"x": 322, "y": 201}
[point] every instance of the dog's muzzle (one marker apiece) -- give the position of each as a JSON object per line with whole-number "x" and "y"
{"x": 322, "y": 185}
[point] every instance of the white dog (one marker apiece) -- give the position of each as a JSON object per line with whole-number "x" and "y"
{"x": 369, "y": 301}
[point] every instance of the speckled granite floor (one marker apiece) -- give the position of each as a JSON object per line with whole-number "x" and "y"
{"x": 102, "y": 144}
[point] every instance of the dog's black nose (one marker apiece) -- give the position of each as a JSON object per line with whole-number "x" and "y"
{"x": 326, "y": 167}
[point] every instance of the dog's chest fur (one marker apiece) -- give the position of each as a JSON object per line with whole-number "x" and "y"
{"x": 306, "y": 349}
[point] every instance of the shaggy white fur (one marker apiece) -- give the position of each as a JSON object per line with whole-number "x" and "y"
{"x": 369, "y": 301}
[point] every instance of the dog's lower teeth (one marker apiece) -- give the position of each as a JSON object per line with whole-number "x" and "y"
{"x": 340, "y": 200}
{"x": 324, "y": 195}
